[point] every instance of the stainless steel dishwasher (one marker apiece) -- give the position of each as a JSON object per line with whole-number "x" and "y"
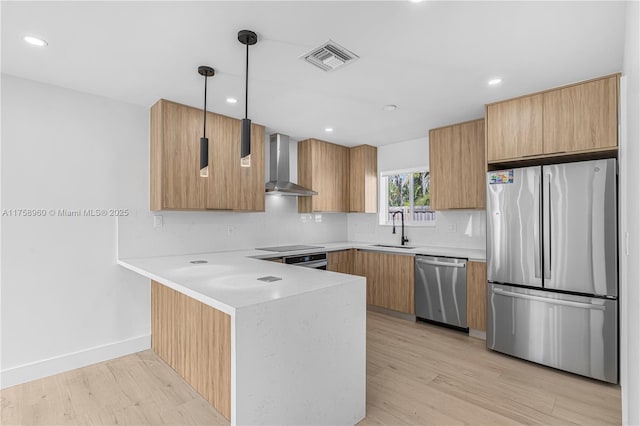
{"x": 441, "y": 290}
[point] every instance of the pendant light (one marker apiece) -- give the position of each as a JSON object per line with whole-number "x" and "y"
{"x": 206, "y": 72}
{"x": 248, "y": 38}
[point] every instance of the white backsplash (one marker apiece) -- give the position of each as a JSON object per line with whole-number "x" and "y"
{"x": 455, "y": 228}
{"x": 199, "y": 232}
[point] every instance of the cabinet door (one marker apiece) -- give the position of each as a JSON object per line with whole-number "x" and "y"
{"x": 477, "y": 295}
{"x": 398, "y": 282}
{"x": 335, "y": 175}
{"x": 442, "y": 145}
{"x": 363, "y": 179}
{"x": 324, "y": 177}
{"x": 367, "y": 265}
{"x": 389, "y": 279}
{"x": 233, "y": 187}
{"x": 341, "y": 261}
{"x": 224, "y": 162}
{"x": 581, "y": 117}
{"x": 250, "y": 195}
{"x": 471, "y": 166}
{"x": 514, "y": 128}
{"x": 305, "y": 174}
{"x": 175, "y": 158}
{"x": 323, "y": 167}
{"x": 457, "y": 168}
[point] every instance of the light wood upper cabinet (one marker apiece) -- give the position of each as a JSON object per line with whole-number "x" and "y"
{"x": 323, "y": 167}
{"x": 477, "y": 295}
{"x": 581, "y": 117}
{"x": 341, "y": 261}
{"x": 514, "y": 128}
{"x": 175, "y": 158}
{"x": 175, "y": 162}
{"x": 457, "y": 166}
{"x": 363, "y": 179}
{"x": 233, "y": 187}
{"x": 578, "y": 119}
{"x": 346, "y": 179}
{"x": 389, "y": 279}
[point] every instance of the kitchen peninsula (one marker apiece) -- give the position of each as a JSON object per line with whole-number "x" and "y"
{"x": 265, "y": 343}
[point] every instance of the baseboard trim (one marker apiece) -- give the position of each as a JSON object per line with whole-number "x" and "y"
{"x": 391, "y": 312}
{"x": 59, "y": 364}
{"x": 478, "y": 334}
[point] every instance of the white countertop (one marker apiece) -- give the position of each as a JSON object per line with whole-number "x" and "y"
{"x": 229, "y": 280}
{"x": 476, "y": 255}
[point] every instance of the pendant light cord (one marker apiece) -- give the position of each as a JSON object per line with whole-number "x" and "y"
{"x": 204, "y": 110}
{"x": 246, "y": 86}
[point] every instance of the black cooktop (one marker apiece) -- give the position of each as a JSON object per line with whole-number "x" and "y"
{"x": 281, "y": 249}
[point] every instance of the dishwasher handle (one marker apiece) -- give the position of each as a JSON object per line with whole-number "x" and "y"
{"x": 437, "y": 263}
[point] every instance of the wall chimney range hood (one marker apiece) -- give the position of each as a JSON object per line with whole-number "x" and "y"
{"x": 279, "y": 183}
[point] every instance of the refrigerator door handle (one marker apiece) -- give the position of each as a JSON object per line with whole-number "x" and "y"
{"x": 546, "y": 224}
{"x": 537, "y": 230}
{"x": 548, "y": 300}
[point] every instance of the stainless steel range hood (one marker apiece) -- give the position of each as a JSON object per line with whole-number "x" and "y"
{"x": 279, "y": 183}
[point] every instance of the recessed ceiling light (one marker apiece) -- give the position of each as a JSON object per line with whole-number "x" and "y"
{"x": 328, "y": 129}
{"x": 415, "y": 1}
{"x": 390, "y": 107}
{"x": 232, "y": 100}
{"x": 35, "y": 41}
{"x": 494, "y": 81}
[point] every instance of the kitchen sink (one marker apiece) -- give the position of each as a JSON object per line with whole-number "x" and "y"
{"x": 392, "y": 246}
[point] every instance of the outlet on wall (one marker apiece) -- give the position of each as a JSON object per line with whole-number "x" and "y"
{"x": 451, "y": 227}
{"x": 157, "y": 221}
{"x": 230, "y": 229}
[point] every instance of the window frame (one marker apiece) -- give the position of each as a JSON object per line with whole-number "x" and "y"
{"x": 383, "y": 191}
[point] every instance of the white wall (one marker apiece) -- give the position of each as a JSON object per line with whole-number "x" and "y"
{"x": 459, "y": 228}
{"x": 630, "y": 223}
{"x": 65, "y": 303}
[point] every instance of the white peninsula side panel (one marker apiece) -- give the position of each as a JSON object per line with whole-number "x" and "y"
{"x": 302, "y": 359}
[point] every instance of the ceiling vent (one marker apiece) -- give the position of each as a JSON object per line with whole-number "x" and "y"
{"x": 330, "y": 56}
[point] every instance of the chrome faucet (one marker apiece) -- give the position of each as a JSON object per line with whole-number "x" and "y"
{"x": 403, "y": 239}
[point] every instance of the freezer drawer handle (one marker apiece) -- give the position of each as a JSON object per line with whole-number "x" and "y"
{"x": 548, "y": 300}
{"x": 436, "y": 263}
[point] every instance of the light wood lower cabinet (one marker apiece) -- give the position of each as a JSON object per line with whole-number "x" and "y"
{"x": 341, "y": 261}
{"x": 195, "y": 340}
{"x": 477, "y": 295}
{"x": 389, "y": 279}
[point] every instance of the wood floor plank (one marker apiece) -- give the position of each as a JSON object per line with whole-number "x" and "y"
{"x": 417, "y": 374}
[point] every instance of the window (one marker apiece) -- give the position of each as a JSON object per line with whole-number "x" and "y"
{"x": 406, "y": 191}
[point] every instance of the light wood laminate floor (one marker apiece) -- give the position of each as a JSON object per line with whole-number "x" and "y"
{"x": 417, "y": 374}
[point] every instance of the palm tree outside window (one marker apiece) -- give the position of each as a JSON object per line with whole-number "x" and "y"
{"x": 406, "y": 191}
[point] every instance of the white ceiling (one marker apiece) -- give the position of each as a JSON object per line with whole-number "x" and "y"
{"x": 432, "y": 59}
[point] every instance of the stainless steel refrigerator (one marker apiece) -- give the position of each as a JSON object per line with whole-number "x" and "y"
{"x": 552, "y": 266}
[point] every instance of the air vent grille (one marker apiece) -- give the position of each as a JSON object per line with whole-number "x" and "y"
{"x": 330, "y": 56}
